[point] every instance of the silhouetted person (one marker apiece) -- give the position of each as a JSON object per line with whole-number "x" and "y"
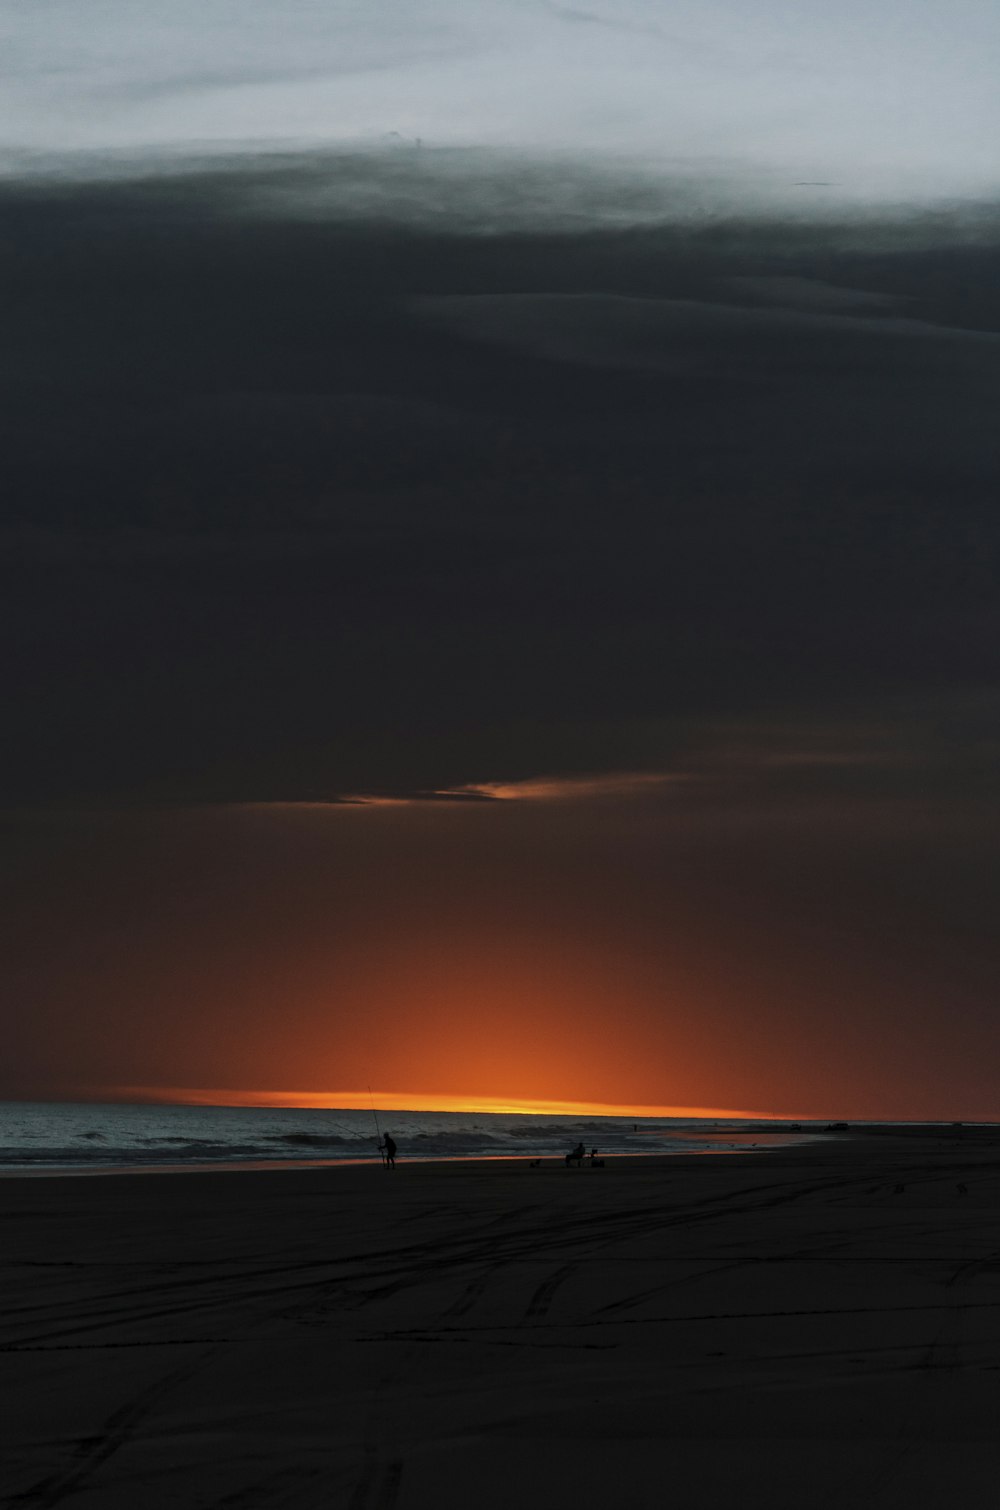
{"x": 390, "y": 1151}
{"x": 577, "y": 1156}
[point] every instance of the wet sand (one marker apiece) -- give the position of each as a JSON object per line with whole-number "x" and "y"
{"x": 815, "y": 1326}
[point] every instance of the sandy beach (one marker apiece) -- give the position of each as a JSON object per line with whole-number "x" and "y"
{"x": 816, "y": 1325}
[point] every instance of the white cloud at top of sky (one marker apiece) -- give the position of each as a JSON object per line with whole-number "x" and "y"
{"x": 896, "y": 97}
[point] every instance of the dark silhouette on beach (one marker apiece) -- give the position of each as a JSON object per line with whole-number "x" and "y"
{"x": 577, "y": 1156}
{"x": 389, "y": 1145}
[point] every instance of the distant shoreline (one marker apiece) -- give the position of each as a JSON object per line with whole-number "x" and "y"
{"x": 54, "y": 1142}
{"x": 267, "y": 1166}
{"x": 856, "y": 1136}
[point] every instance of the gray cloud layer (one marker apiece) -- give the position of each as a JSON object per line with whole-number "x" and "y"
{"x": 898, "y": 98}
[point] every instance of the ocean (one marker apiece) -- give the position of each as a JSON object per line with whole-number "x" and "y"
{"x": 47, "y": 1137}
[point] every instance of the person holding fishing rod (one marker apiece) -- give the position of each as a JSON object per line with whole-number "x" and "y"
{"x": 387, "y": 1144}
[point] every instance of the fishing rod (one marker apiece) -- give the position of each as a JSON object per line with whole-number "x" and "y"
{"x": 381, "y": 1149}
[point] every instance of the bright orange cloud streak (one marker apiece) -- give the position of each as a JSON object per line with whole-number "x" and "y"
{"x": 414, "y": 1101}
{"x": 570, "y": 788}
{"x": 602, "y": 785}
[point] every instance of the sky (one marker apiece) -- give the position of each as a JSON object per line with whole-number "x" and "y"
{"x": 499, "y": 551}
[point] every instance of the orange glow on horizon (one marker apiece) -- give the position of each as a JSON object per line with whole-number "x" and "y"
{"x": 416, "y": 1101}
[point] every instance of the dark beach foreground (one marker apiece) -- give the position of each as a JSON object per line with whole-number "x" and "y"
{"x": 817, "y": 1325}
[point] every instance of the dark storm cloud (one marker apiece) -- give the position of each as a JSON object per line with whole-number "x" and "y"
{"x": 905, "y": 765}
{"x": 330, "y": 475}
{"x": 692, "y": 336}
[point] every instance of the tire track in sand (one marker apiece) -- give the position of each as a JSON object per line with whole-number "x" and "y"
{"x": 117, "y": 1431}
